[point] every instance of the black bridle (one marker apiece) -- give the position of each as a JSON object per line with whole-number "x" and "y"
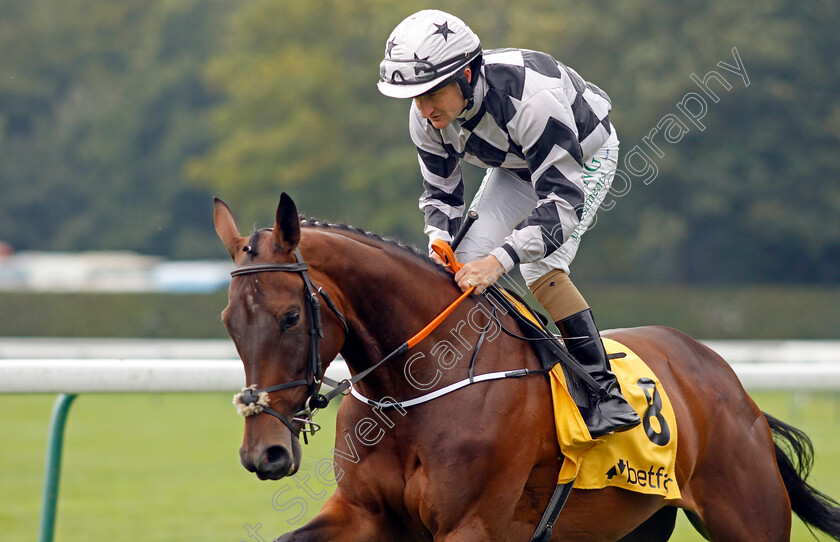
{"x": 314, "y": 368}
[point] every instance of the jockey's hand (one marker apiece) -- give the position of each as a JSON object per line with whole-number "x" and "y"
{"x": 480, "y": 273}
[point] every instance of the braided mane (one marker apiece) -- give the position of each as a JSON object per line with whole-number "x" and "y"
{"x": 309, "y": 222}
{"x": 323, "y": 224}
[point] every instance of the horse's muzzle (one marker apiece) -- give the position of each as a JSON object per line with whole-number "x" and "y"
{"x": 271, "y": 462}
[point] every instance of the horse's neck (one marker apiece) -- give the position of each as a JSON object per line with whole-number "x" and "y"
{"x": 389, "y": 296}
{"x": 390, "y": 307}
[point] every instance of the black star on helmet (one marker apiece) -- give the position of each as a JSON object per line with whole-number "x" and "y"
{"x": 390, "y": 47}
{"x": 443, "y": 30}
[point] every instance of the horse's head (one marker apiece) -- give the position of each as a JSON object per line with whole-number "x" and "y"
{"x": 273, "y": 317}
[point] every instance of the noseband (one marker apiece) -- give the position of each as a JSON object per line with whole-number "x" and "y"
{"x": 253, "y": 400}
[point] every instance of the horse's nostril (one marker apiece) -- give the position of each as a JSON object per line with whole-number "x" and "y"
{"x": 275, "y": 454}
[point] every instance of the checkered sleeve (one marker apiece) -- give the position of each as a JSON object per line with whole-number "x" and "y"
{"x": 545, "y": 127}
{"x": 442, "y": 201}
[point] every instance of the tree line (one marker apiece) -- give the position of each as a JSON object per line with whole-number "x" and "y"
{"x": 119, "y": 120}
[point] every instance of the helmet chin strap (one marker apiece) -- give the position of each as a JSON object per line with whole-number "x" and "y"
{"x": 468, "y": 85}
{"x": 466, "y": 91}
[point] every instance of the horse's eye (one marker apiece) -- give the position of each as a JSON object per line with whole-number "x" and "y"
{"x": 290, "y": 319}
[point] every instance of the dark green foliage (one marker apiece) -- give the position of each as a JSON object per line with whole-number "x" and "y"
{"x": 118, "y": 121}
{"x": 100, "y": 104}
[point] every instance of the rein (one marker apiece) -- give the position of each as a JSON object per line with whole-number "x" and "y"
{"x": 472, "y": 379}
{"x": 344, "y": 385}
{"x": 447, "y": 254}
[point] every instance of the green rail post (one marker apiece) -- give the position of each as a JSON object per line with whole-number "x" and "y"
{"x": 53, "y": 470}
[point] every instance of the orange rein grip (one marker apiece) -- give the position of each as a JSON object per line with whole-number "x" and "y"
{"x": 442, "y": 249}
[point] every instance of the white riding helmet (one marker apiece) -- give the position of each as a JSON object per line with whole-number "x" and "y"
{"x": 428, "y": 49}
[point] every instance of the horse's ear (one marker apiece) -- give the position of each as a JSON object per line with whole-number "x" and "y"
{"x": 286, "y": 234}
{"x": 226, "y": 227}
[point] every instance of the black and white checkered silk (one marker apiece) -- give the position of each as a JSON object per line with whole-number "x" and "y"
{"x": 533, "y": 116}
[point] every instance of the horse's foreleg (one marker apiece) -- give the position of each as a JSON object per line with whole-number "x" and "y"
{"x": 341, "y": 521}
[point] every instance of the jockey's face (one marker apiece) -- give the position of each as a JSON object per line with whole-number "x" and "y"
{"x": 443, "y": 106}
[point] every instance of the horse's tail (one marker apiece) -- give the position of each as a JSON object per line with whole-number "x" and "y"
{"x": 795, "y": 457}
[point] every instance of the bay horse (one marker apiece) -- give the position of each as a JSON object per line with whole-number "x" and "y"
{"x": 479, "y": 463}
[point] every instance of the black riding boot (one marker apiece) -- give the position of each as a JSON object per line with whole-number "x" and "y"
{"x": 610, "y": 415}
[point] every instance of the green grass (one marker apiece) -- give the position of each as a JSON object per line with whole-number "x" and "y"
{"x": 152, "y": 467}
{"x": 161, "y": 467}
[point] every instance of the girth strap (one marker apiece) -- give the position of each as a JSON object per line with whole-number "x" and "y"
{"x": 552, "y": 512}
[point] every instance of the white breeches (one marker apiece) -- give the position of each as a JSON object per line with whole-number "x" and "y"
{"x": 503, "y": 201}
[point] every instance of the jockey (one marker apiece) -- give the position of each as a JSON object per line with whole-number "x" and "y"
{"x": 545, "y": 137}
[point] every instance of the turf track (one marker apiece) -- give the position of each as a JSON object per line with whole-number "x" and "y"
{"x": 161, "y": 467}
